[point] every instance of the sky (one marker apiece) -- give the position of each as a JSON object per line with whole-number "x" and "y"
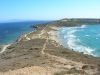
{"x": 12, "y": 10}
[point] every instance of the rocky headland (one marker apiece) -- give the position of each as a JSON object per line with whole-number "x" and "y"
{"x": 40, "y": 52}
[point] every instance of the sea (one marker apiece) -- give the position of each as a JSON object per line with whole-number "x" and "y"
{"x": 11, "y": 31}
{"x": 85, "y": 38}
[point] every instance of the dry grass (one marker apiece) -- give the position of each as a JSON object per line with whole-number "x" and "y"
{"x": 35, "y": 70}
{"x": 71, "y": 72}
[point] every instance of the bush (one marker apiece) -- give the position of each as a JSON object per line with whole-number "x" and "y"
{"x": 65, "y": 52}
{"x": 11, "y": 47}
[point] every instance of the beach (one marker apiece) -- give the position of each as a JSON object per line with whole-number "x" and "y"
{"x": 41, "y": 52}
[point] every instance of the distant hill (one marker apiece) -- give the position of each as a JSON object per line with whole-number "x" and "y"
{"x": 73, "y": 22}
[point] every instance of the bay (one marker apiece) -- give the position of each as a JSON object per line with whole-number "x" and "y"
{"x": 85, "y": 38}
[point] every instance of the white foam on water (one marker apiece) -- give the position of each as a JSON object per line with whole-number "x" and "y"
{"x": 83, "y": 26}
{"x": 96, "y": 38}
{"x": 87, "y": 35}
{"x": 78, "y": 40}
{"x": 72, "y": 42}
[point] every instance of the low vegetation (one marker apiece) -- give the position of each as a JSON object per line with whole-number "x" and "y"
{"x": 11, "y": 47}
{"x": 71, "y": 72}
{"x": 73, "y": 22}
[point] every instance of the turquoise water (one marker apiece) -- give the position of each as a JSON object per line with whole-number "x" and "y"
{"x": 83, "y": 39}
{"x": 10, "y": 32}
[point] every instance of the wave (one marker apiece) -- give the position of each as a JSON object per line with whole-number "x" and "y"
{"x": 87, "y": 35}
{"x": 83, "y": 26}
{"x": 72, "y": 42}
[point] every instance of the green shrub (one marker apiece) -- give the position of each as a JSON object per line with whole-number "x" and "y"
{"x": 65, "y": 52}
{"x": 11, "y": 47}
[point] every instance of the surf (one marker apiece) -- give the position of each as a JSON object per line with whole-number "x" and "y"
{"x": 82, "y": 39}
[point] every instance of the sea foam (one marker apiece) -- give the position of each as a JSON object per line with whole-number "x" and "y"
{"x": 71, "y": 41}
{"x": 83, "y": 26}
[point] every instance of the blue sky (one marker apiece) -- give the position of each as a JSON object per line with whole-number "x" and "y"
{"x": 48, "y": 9}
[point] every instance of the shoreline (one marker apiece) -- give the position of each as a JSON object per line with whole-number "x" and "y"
{"x": 52, "y": 35}
{"x": 4, "y": 48}
{"x": 42, "y": 48}
{"x": 25, "y": 35}
{"x": 85, "y": 49}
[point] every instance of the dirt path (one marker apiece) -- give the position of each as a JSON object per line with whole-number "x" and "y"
{"x": 58, "y": 63}
{"x": 42, "y": 31}
{"x": 61, "y": 60}
{"x": 44, "y": 46}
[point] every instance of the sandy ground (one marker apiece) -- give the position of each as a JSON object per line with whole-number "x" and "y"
{"x": 58, "y": 64}
{"x": 35, "y": 70}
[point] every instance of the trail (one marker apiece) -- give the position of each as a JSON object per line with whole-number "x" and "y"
{"x": 58, "y": 63}
{"x": 4, "y": 48}
{"x": 44, "y": 46}
{"x": 60, "y": 59}
{"x": 42, "y": 31}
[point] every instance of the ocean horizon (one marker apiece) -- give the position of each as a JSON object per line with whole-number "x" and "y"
{"x": 11, "y": 31}
{"x": 85, "y": 38}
